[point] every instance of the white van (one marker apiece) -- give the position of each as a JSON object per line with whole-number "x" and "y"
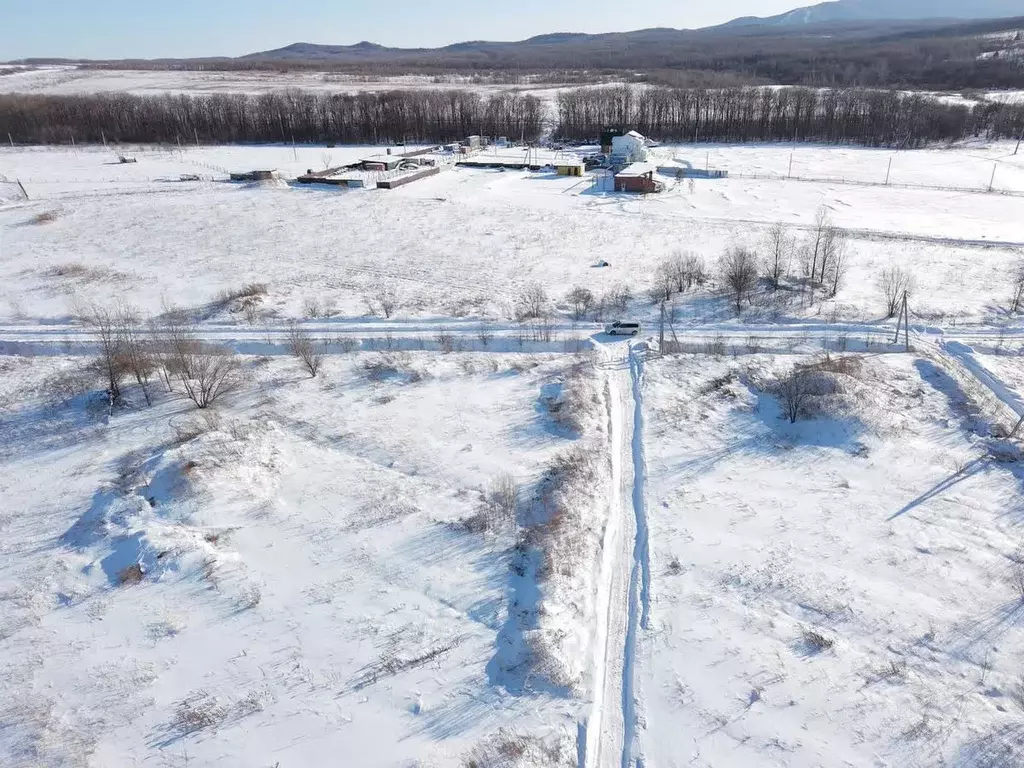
{"x": 622, "y": 328}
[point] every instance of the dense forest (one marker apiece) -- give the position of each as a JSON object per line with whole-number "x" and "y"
{"x": 371, "y": 118}
{"x": 861, "y": 117}
{"x": 864, "y": 117}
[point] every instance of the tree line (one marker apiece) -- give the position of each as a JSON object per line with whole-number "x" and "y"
{"x": 373, "y": 118}
{"x": 834, "y": 116}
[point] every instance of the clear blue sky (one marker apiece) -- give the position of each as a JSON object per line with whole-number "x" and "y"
{"x": 185, "y": 28}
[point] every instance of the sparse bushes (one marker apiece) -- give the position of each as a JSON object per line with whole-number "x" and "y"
{"x": 307, "y": 351}
{"x": 739, "y": 273}
{"x": 893, "y": 283}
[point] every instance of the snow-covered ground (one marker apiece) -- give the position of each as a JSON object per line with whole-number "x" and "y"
{"x": 309, "y": 590}
{"x": 466, "y": 242}
{"x": 299, "y": 572}
{"x": 888, "y": 528}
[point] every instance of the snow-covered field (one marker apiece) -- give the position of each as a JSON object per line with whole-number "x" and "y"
{"x": 466, "y": 242}
{"x": 680, "y": 577}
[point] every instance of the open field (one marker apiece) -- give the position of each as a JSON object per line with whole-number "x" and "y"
{"x": 435, "y": 516}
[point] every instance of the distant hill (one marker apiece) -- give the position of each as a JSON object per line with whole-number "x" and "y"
{"x": 880, "y": 10}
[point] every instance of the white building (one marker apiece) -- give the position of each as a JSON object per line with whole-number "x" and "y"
{"x": 631, "y": 148}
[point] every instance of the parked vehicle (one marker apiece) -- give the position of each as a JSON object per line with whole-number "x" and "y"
{"x": 621, "y": 328}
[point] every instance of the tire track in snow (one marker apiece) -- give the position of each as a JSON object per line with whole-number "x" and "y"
{"x": 640, "y": 578}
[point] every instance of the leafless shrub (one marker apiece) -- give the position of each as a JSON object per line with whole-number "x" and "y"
{"x": 531, "y": 303}
{"x": 247, "y": 291}
{"x": 541, "y": 329}
{"x": 739, "y": 273}
{"x": 445, "y": 340}
{"x": 69, "y": 269}
{"x": 383, "y": 299}
{"x": 501, "y": 501}
{"x": 302, "y": 346}
{"x": 753, "y": 345}
{"x": 1018, "y": 289}
{"x": 715, "y": 347}
{"x": 485, "y": 335}
{"x": 835, "y": 258}
{"x": 508, "y": 749}
{"x": 199, "y": 711}
{"x": 46, "y": 217}
{"x": 794, "y": 389}
{"x": 582, "y": 302}
{"x": 207, "y": 372}
{"x": 674, "y": 567}
{"x": 817, "y": 642}
{"x": 618, "y": 298}
{"x": 893, "y": 283}
{"x": 312, "y": 308}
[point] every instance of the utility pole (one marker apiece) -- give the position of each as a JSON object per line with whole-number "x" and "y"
{"x": 1019, "y": 139}
{"x": 790, "y": 174}
{"x": 888, "y": 173}
{"x": 904, "y": 323}
{"x": 992, "y": 181}
{"x": 103, "y": 136}
{"x": 195, "y": 132}
{"x": 661, "y": 331}
{"x": 10, "y": 139}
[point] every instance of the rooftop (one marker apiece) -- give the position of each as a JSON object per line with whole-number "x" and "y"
{"x": 637, "y": 169}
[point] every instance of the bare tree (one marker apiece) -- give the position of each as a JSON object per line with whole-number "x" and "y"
{"x": 136, "y": 351}
{"x": 696, "y": 271}
{"x": 105, "y": 324}
{"x": 779, "y": 245}
{"x": 386, "y": 298}
{"x": 821, "y": 226}
{"x": 302, "y": 346}
{"x": 836, "y": 256}
{"x": 739, "y": 273}
{"x": 1018, "y": 288}
{"x": 207, "y": 372}
{"x": 173, "y": 342}
{"x": 666, "y": 281}
{"x": 532, "y": 302}
{"x": 793, "y": 391}
{"x": 893, "y": 284}
{"x": 582, "y": 301}
{"x": 502, "y": 499}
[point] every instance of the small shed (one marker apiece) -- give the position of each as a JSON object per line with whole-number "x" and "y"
{"x": 638, "y": 177}
{"x": 473, "y": 142}
{"x": 631, "y": 148}
{"x": 569, "y": 167}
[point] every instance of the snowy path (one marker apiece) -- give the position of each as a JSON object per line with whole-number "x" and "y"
{"x": 640, "y": 578}
{"x": 623, "y": 604}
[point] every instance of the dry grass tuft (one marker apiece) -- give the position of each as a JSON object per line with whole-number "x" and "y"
{"x": 46, "y": 217}
{"x": 131, "y": 575}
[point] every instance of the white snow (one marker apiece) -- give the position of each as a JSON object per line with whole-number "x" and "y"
{"x": 291, "y": 577}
